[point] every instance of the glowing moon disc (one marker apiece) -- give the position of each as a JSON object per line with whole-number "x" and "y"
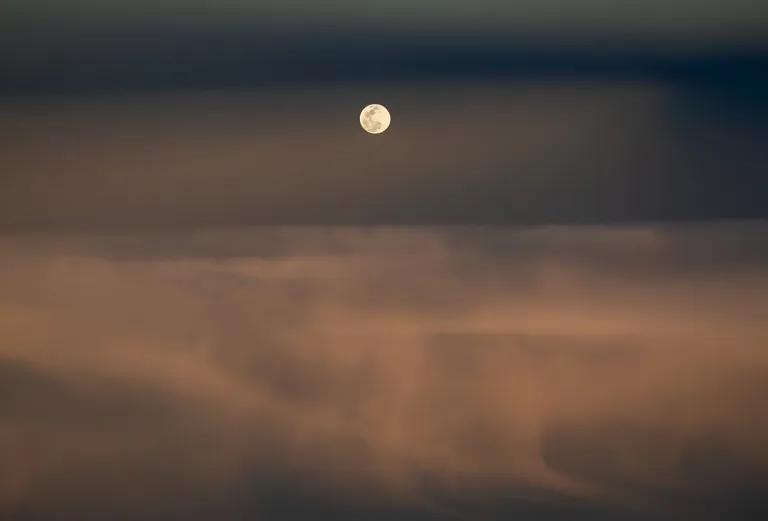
{"x": 375, "y": 118}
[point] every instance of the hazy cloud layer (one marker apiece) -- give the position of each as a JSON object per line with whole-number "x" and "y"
{"x": 464, "y": 373}
{"x": 88, "y": 45}
{"x": 456, "y": 153}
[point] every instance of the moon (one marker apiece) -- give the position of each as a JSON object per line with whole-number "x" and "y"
{"x": 375, "y": 118}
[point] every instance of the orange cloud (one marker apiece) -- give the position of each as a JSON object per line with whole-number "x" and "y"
{"x": 606, "y": 365}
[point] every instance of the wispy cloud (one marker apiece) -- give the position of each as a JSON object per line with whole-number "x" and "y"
{"x": 436, "y": 370}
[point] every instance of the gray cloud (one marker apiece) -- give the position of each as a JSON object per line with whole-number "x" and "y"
{"x": 683, "y": 22}
{"x": 461, "y": 154}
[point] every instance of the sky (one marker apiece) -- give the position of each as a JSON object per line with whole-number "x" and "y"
{"x": 238, "y": 113}
{"x": 540, "y": 294}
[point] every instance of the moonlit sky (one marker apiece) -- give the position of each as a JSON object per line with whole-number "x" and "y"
{"x": 541, "y": 294}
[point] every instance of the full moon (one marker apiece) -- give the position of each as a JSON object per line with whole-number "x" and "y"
{"x": 375, "y": 118}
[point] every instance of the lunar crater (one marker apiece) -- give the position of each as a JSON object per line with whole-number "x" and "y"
{"x": 375, "y": 118}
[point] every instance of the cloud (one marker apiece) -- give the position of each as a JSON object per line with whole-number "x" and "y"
{"x": 430, "y": 373}
{"x": 461, "y": 154}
